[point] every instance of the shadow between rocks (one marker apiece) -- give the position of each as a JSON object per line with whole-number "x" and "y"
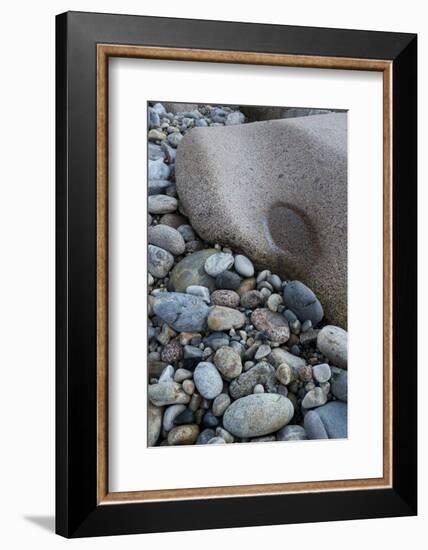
{"x": 45, "y": 522}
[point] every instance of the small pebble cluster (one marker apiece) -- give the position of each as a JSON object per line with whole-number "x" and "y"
{"x": 236, "y": 354}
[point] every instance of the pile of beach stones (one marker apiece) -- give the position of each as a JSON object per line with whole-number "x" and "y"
{"x": 235, "y": 354}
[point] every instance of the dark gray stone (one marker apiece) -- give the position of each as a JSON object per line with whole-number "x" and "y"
{"x": 303, "y": 302}
{"x": 228, "y": 280}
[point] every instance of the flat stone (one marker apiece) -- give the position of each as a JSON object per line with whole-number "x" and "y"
{"x": 180, "y": 107}
{"x": 333, "y": 343}
{"x": 217, "y": 263}
{"x": 225, "y": 318}
{"x": 182, "y": 312}
{"x": 154, "y": 424}
{"x": 190, "y": 271}
{"x": 303, "y": 302}
{"x": 208, "y": 380}
{"x": 274, "y": 201}
{"x": 216, "y": 441}
{"x": 292, "y": 432}
{"x": 257, "y": 415}
{"x": 227, "y": 298}
{"x": 262, "y": 352}
{"x": 228, "y": 362}
{"x": 161, "y": 204}
{"x": 274, "y": 324}
{"x": 262, "y": 373}
{"x": 183, "y": 435}
{"x": 167, "y": 393}
{"x": 159, "y": 261}
{"x": 167, "y": 238}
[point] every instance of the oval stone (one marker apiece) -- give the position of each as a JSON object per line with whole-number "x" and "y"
{"x": 183, "y": 435}
{"x": 303, "y": 302}
{"x": 228, "y": 362}
{"x": 218, "y": 263}
{"x": 333, "y": 343}
{"x": 161, "y": 204}
{"x": 225, "y": 318}
{"x": 258, "y": 414}
{"x": 244, "y": 266}
{"x": 154, "y": 423}
{"x": 167, "y": 238}
{"x": 227, "y": 298}
{"x": 167, "y": 393}
{"x": 208, "y": 380}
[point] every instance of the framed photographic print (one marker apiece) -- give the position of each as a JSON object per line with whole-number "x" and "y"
{"x": 236, "y": 274}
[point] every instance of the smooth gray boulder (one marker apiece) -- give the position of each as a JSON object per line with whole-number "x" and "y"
{"x": 277, "y": 192}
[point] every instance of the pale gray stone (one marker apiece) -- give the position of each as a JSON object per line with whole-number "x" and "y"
{"x": 244, "y": 266}
{"x": 161, "y": 204}
{"x": 208, "y": 380}
{"x": 217, "y": 263}
{"x": 257, "y": 415}
{"x": 314, "y": 398}
{"x": 333, "y": 343}
{"x": 322, "y": 372}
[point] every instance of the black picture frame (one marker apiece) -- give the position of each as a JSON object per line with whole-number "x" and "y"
{"x": 77, "y": 511}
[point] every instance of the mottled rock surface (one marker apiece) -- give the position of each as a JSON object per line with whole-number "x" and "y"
{"x": 267, "y": 189}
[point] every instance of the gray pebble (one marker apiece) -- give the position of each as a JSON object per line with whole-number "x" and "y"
{"x": 218, "y": 263}
{"x": 199, "y": 290}
{"x": 161, "y": 204}
{"x": 257, "y": 415}
{"x": 292, "y": 432}
{"x": 333, "y": 343}
{"x": 170, "y": 413}
{"x": 314, "y": 398}
{"x": 159, "y": 261}
{"x": 208, "y": 380}
{"x": 303, "y": 302}
{"x": 167, "y": 238}
{"x": 183, "y": 312}
{"x": 244, "y": 266}
{"x": 322, "y": 372}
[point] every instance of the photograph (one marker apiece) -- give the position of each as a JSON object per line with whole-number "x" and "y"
{"x": 247, "y": 273}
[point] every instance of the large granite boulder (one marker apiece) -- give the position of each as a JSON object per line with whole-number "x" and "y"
{"x": 277, "y": 192}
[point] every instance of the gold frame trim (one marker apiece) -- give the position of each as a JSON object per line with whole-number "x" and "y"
{"x": 104, "y": 51}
